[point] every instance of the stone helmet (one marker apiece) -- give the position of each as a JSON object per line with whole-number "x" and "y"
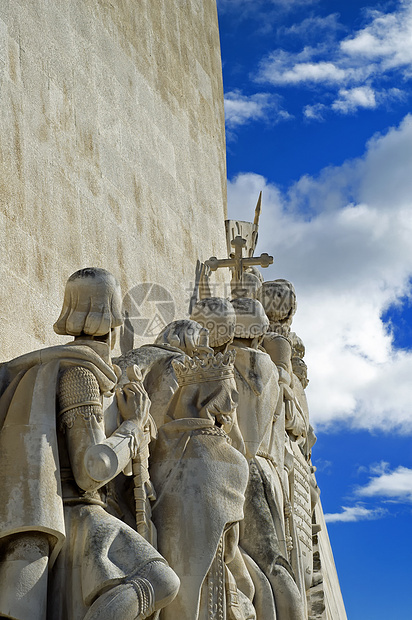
{"x": 92, "y": 304}
{"x": 254, "y": 270}
{"x": 278, "y": 298}
{"x": 250, "y": 286}
{"x": 183, "y": 334}
{"x": 251, "y": 319}
{"x": 218, "y": 316}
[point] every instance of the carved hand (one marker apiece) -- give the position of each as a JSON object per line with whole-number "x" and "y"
{"x": 132, "y": 400}
{"x": 226, "y": 421}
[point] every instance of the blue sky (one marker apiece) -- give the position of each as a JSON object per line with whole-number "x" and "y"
{"x": 318, "y": 101}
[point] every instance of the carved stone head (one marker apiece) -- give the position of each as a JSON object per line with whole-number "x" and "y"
{"x": 207, "y": 389}
{"x": 218, "y": 316}
{"x": 184, "y": 334}
{"x": 297, "y": 345}
{"x": 249, "y": 287}
{"x": 278, "y": 298}
{"x": 251, "y": 320}
{"x": 279, "y": 349}
{"x": 300, "y": 370}
{"x": 92, "y": 304}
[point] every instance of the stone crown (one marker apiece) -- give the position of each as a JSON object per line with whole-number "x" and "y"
{"x": 206, "y": 367}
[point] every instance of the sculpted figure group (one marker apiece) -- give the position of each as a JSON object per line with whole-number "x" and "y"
{"x": 173, "y": 482}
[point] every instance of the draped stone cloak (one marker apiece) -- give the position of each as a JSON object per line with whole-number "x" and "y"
{"x": 29, "y": 460}
{"x": 257, "y": 383}
{"x": 263, "y": 429}
{"x": 200, "y": 481}
{"x": 261, "y": 417}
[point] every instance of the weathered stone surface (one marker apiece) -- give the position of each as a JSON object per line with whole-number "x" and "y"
{"x": 112, "y": 154}
{"x": 200, "y": 479}
{"x": 56, "y": 461}
{"x": 112, "y": 150}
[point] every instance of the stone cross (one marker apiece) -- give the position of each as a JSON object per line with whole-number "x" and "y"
{"x": 237, "y": 262}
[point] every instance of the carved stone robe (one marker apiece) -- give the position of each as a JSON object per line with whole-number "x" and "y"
{"x": 300, "y": 481}
{"x": 200, "y": 481}
{"x": 91, "y": 550}
{"x": 261, "y": 418}
{"x": 29, "y": 456}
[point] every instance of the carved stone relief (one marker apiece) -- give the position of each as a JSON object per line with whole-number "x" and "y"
{"x": 183, "y": 462}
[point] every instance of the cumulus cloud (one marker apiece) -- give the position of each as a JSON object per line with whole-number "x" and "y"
{"x": 386, "y": 40}
{"x": 343, "y": 238}
{"x": 355, "y": 513}
{"x": 357, "y": 66}
{"x": 393, "y": 485}
{"x": 241, "y": 109}
{"x": 284, "y": 68}
{"x": 351, "y": 99}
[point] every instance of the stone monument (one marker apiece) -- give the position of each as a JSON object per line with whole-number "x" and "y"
{"x": 63, "y": 553}
{"x": 156, "y": 466}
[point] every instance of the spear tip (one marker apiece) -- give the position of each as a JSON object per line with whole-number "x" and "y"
{"x": 258, "y": 209}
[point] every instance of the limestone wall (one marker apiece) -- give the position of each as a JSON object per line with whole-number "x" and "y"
{"x": 112, "y": 151}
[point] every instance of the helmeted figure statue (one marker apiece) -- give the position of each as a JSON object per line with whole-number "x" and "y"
{"x": 55, "y": 460}
{"x": 250, "y": 286}
{"x": 217, "y": 315}
{"x": 279, "y": 300}
{"x": 200, "y": 481}
{"x": 266, "y": 530}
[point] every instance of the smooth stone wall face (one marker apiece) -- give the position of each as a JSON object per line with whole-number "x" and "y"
{"x": 112, "y": 151}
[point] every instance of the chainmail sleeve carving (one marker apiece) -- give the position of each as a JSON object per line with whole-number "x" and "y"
{"x": 78, "y": 395}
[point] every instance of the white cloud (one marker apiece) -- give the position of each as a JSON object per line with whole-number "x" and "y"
{"x": 344, "y": 240}
{"x": 393, "y": 485}
{"x": 323, "y": 465}
{"x": 386, "y": 40}
{"x": 313, "y": 27}
{"x": 241, "y": 109}
{"x": 355, "y": 513}
{"x": 314, "y": 112}
{"x": 351, "y": 99}
{"x": 283, "y": 68}
{"x": 357, "y": 67}
{"x": 376, "y": 468}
